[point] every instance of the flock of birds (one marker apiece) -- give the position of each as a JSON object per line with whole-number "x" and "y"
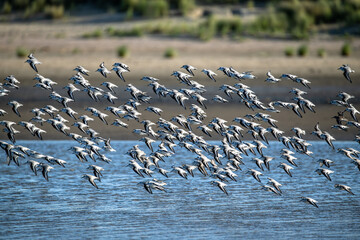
{"x": 220, "y": 163}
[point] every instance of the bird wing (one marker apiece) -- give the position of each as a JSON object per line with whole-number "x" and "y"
{"x": 347, "y": 76}
{"x": 33, "y": 66}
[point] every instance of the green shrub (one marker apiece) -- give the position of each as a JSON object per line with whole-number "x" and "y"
{"x": 155, "y": 9}
{"x": 54, "y": 12}
{"x": 123, "y": 51}
{"x": 229, "y": 26}
{"x": 6, "y": 9}
{"x": 321, "y": 52}
{"x": 303, "y": 50}
{"x": 21, "y": 52}
{"x": 76, "y": 51}
{"x": 170, "y": 53}
{"x": 36, "y": 6}
{"x": 301, "y": 25}
{"x": 289, "y": 52}
{"x": 270, "y": 22}
{"x": 98, "y": 33}
{"x": 60, "y": 35}
{"x": 110, "y": 31}
{"x": 137, "y": 32}
{"x": 346, "y": 50}
{"x": 186, "y": 6}
{"x": 223, "y": 28}
{"x": 250, "y": 4}
{"x": 207, "y": 29}
{"x": 129, "y": 13}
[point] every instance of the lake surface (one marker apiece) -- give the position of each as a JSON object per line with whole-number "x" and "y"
{"x": 68, "y": 207}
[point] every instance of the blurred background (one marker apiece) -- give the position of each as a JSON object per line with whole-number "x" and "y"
{"x": 156, "y": 37}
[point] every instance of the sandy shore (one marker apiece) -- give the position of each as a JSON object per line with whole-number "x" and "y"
{"x": 146, "y": 59}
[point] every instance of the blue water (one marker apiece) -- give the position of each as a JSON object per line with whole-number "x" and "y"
{"x": 68, "y": 207}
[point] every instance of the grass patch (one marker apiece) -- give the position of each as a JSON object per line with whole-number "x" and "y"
{"x": 123, "y": 51}
{"x": 98, "y": 33}
{"x": 303, "y": 51}
{"x": 170, "y": 53}
{"x": 132, "y": 32}
{"x": 346, "y": 50}
{"x": 21, "y": 52}
{"x": 76, "y": 51}
{"x": 321, "y": 52}
{"x": 60, "y": 35}
{"x": 289, "y": 52}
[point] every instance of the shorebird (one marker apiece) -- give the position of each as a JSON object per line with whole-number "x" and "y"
{"x": 225, "y": 70}
{"x": 344, "y": 187}
{"x": 97, "y": 171}
{"x": 45, "y": 169}
{"x": 110, "y": 97}
{"x": 86, "y": 119}
{"x": 309, "y": 201}
{"x": 298, "y": 131}
{"x": 286, "y": 168}
{"x": 289, "y": 76}
{"x": 297, "y": 92}
{"x": 353, "y": 111}
{"x": 200, "y": 99}
{"x": 209, "y": 73}
{"x": 182, "y": 77}
{"x": 270, "y": 189}
{"x": 275, "y": 184}
{"x": 328, "y": 138}
{"x": 219, "y": 99}
{"x": 189, "y": 68}
{"x": 340, "y": 127}
{"x": 118, "y": 122}
{"x": 15, "y": 107}
{"x": 122, "y": 65}
{"x": 136, "y": 167}
{"x": 103, "y": 70}
{"x": 267, "y": 160}
{"x": 33, "y": 62}
{"x": 119, "y": 72}
{"x": 247, "y": 75}
{"x": 345, "y": 97}
{"x": 69, "y": 111}
{"x": 91, "y": 179}
{"x": 303, "y": 81}
{"x": 220, "y": 185}
{"x": 205, "y": 129}
{"x": 325, "y": 162}
{"x": 271, "y": 79}
{"x": 182, "y": 173}
{"x": 155, "y": 110}
{"x": 2, "y": 112}
{"x": 325, "y": 172}
{"x": 258, "y": 162}
{"x": 34, "y": 165}
{"x": 110, "y": 86}
{"x": 346, "y": 71}
{"x": 255, "y": 174}
{"x": 11, "y": 79}
{"x": 82, "y": 70}
{"x": 153, "y": 184}
{"x": 71, "y": 89}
